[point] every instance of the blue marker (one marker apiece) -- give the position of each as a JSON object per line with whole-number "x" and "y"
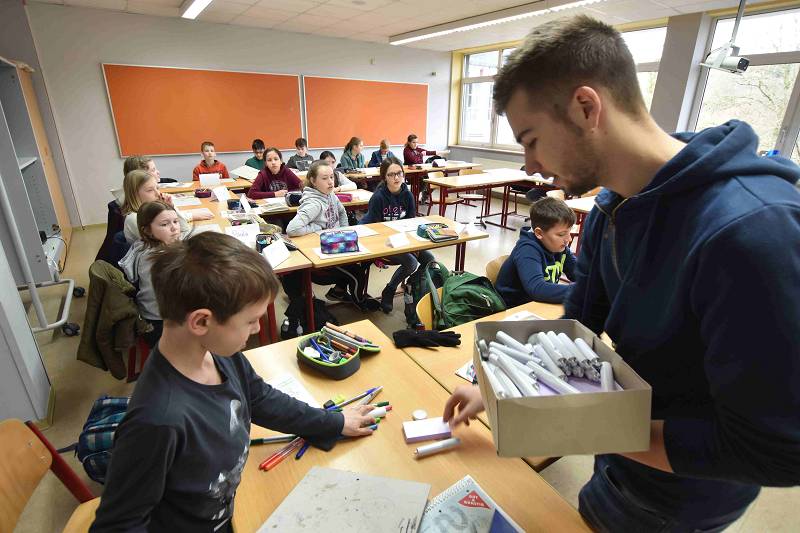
{"x": 302, "y": 450}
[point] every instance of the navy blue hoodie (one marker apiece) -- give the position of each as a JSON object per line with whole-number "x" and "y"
{"x": 697, "y": 281}
{"x": 385, "y": 206}
{"x": 531, "y": 272}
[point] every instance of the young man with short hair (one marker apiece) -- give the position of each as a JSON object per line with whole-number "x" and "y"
{"x": 179, "y": 452}
{"x": 690, "y": 262}
{"x": 532, "y": 271}
{"x": 209, "y": 163}
{"x": 302, "y": 159}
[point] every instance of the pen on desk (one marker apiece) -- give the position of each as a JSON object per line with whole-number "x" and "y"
{"x": 336, "y": 328}
{"x": 356, "y": 398}
{"x": 278, "y": 456}
{"x": 273, "y": 440}
{"x": 302, "y": 451}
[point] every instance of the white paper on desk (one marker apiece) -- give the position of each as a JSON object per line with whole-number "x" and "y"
{"x": 467, "y": 371}
{"x": 201, "y": 228}
{"x": 470, "y": 229}
{"x": 245, "y": 233}
{"x": 397, "y": 240}
{"x": 248, "y": 173}
{"x": 360, "y": 195}
{"x": 520, "y": 316}
{"x": 363, "y": 170}
{"x": 276, "y": 253}
{"x": 363, "y": 251}
{"x": 173, "y": 185}
{"x": 209, "y": 181}
{"x": 185, "y": 201}
{"x": 227, "y": 180}
{"x": 288, "y": 384}
{"x": 407, "y": 224}
{"x": 245, "y": 204}
{"x": 195, "y": 213}
{"x": 220, "y": 193}
{"x": 275, "y": 201}
{"x": 361, "y": 231}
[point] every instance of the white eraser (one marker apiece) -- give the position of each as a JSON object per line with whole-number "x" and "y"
{"x": 428, "y": 429}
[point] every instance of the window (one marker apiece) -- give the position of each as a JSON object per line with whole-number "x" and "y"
{"x": 480, "y": 126}
{"x": 765, "y": 95}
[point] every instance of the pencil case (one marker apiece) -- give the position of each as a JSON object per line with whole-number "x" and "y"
{"x": 338, "y": 242}
{"x": 422, "y": 229}
{"x": 342, "y": 369}
{"x": 202, "y": 193}
{"x": 344, "y": 197}
{"x": 361, "y": 347}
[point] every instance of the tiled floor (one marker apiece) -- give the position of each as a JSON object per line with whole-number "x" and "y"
{"x": 77, "y": 385}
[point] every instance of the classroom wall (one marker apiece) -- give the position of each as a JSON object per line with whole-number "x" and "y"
{"x": 16, "y": 43}
{"x": 73, "y": 42}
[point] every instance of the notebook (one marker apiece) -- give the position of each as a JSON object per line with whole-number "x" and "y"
{"x": 338, "y": 501}
{"x": 465, "y": 506}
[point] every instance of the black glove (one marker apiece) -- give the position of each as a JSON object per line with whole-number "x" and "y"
{"x": 425, "y": 338}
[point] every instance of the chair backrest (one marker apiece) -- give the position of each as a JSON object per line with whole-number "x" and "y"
{"x": 493, "y": 267}
{"x": 468, "y": 171}
{"x": 425, "y": 309}
{"x": 437, "y": 175}
{"x": 24, "y": 460}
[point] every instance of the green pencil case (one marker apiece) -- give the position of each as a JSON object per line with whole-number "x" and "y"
{"x": 340, "y": 370}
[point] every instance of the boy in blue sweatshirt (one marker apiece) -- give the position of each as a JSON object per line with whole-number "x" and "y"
{"x": 393, "y": 201}
{"x": 534, "y": 267}
{"x": 690, "y": 262}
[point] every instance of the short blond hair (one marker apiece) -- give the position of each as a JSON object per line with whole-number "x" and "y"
{"x": 130, "y": 186}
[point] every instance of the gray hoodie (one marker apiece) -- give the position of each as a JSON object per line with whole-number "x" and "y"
{"x": 317, "y": 211}
{"x": 136, "y": 265}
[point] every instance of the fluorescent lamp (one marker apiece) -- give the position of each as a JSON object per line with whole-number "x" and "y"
{"x": 542, "y": 7}
{"x": 191, "y": 8}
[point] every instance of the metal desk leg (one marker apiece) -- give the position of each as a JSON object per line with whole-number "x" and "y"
{"x": 442, "y": 200}
{"x": 461, "y": 252}
{"x": 309, "y": 292}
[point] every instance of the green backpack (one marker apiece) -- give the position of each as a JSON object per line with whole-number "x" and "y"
{"x": 465, "y": 297}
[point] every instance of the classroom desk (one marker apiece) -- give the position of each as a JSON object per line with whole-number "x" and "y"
{"x": 581, "y": 206}
{"x": 376, "y": 244}
{"x": 486, "y": 182}
{"x": 525, "y": 496}
{"x": 360, "y": 200}
{"x": 442, "y": 362}
{"x": 190, "y": 186}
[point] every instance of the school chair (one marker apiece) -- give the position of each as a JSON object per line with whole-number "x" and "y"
{"x": 493, "y": 267}
{"x": 112, "y": 249}
{"x": 471, "y": 195}
{"x": 425, "y": 309}
{"x": 141, "y": 348}
{"x": 448, "y": 200}
{"x": 25, "y": 457}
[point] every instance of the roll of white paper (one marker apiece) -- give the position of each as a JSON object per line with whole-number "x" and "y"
{"x": 511, "y": 342}
{"x": 483, "y": 349}
{"x": 587, "y": 351}
{"x": 436, "y": 447}
{"x": 497, "y": 387}
{"x": 557, "y": 344}
{"x": 511, "y": 390}
{"x": 606, "y": 377}
{"x": 522, "y": 357}
{"x": 552, "y": 381}
{"x": 569, "y": 346}
{"x": 519, "y": 379}
{"x": 548, "y": 363}
{"x": 554, "y": 353}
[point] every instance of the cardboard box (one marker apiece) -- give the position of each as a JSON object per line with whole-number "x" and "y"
{"x": 567, "y": 424}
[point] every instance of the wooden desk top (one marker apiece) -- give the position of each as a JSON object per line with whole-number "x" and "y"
{"x": 361, "y": 198}
{"x": 581, "y": 205}
{"x": 190, "y": 186}
{"x": 525, "y": 496}
{"x": 376, "y": 244}
{"x": 442, "y": 362}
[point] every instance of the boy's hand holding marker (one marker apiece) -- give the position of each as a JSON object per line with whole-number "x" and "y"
{"x": 356, "y": 421}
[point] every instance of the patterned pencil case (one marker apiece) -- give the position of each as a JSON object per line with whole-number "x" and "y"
{"x": 338, "y": 242}
{"x": 344, "y": 197}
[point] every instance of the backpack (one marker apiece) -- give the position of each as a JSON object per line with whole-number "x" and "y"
{"x": 418, "y": 286}
{"x": 465, "y": 297}
{"x": 97, "y": 438}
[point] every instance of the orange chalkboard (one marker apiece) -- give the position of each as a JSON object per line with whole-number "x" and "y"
{"x": 171, "y": 111}
{"x": 337, "y": 109}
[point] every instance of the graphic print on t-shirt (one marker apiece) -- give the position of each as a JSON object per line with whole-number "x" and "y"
{"x": 224, "y": 487}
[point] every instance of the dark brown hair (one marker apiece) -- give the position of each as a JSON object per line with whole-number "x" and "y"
{"x": 354, "y": 141}
{"x": 411, "y": 138}
{"x": 204, "y": 144}
{"x": 559, "y": 56}
{"x": 210, "y": 271}
{"x": 548, "y": 212}
{"x": 145, "y": 216}
{"x": 389, "y": 161}
{"x": 300, "y": 143}
{"x": 273, "y": 149}
{"x": 313, "y": 170}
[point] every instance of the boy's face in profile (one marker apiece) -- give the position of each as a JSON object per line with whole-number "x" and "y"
{"x": 556, "y": 239}
{"x": 231, "y": 337}
{"x": 301, "y": 151}
{"x": 209, "y": 154}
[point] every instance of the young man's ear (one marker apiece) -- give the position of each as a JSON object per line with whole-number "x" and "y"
{"x": 198, "y": 321}
{"x": 585, "y": 107}
{"x": 537, "y": 231}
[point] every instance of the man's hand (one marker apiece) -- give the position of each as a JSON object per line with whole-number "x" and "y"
{"x": 355, "y": 420}
{"x": 470, "y": 404}
{"x": 281, "y": 193}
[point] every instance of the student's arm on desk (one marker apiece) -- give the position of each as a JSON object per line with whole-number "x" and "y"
{"x": 587, "y": 301}
{"x": 301, "y": 223}
{"x": 530, "y": 267}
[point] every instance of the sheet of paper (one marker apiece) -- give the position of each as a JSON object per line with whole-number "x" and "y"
{"x": 185, "y": 202}
{"x": 209, "y": 181}
{"x": 360, "y": 195}
{"x": 467, "y": 371}
{"x": 195, "y": 213}
{"x": 522, "y": 315}
{"x": 174, "y": 185}
{"x": 220, "y": 193}
{"x": 363, "y": 251}
{"x": 407, "y": 224}
{"x": 276, "y": 253}
{"x": 248, "y": 173}
{"x": 245, "y": 233}
{"x": 245, "y": 204}
{"x": 200, "y": 228}
{"x": 288, "y": 384}
{"x": 397, "y": 240}
{"x": 362, "y": 231}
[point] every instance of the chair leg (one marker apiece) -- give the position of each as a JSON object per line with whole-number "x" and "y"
{"x": 62, "y": 470}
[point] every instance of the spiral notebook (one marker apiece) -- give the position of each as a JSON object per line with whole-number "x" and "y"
{"x": 465, "y": 506}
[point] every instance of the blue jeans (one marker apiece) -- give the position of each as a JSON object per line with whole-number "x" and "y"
{"x": 408, "y": 265}
{"x": 608, "y": 507}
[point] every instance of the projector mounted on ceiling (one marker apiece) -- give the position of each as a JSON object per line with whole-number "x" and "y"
{"x": 727, "y": 56}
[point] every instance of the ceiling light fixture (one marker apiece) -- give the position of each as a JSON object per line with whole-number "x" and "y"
{"x": 191, "y": 8}
{"x": 542, "y": 7}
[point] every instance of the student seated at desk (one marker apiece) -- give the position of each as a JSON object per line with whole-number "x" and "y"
{"x": 257, "y": 161}
{"x": 413, "y": 154}
{"x": 180, "y": 451}
{"x": 380, "y": 155}
{"x": 341, "y": 183}
{"x": 275, "y": 179}
{"x": 352, "y": 156}
{"x": 302, "y": 159}
{"x": 139, "y": 188}
{"x": 135, "y": 162}
{"x": 541, "y": 255}
{"x": 209, "y": 163}
{"x": 393, "y": 201}
{"x": 159, "y": 226}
